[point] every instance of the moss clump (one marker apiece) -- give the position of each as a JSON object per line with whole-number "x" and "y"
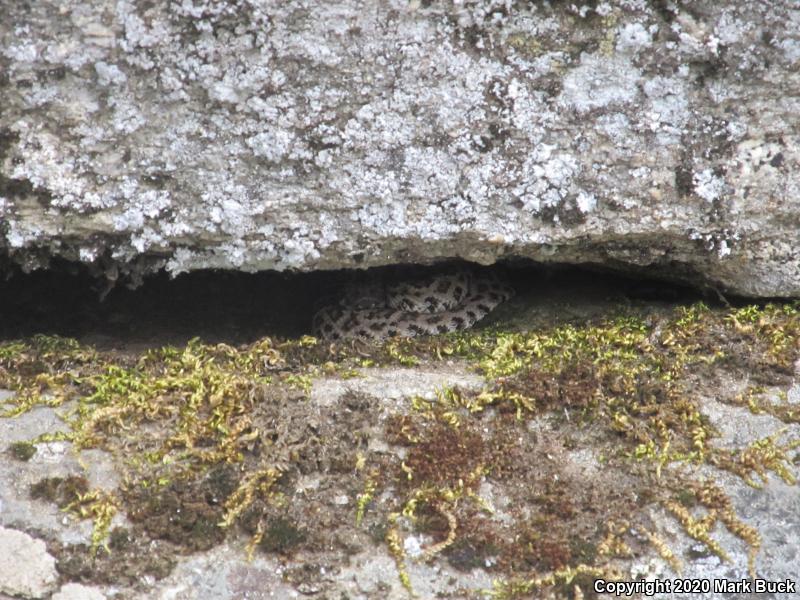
{"x": 443, "y": 454}
{"x": 130, "y": 558}
{"x": 99, "y": 506}
{"x": 466, "y": 554}
{"x": 186, "y": 512}
{"x": 40, "y": 371}
{"x": 72, "y": 494}
{"x": 281, "y": 536}
{"x": 61, "y": 491}
{"x": 22, "y": 451}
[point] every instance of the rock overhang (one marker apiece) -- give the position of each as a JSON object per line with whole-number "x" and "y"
{"x": 136, "y": 139}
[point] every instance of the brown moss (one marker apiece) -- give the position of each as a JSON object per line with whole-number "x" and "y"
{"x": 186, "y": 513}
{"x": 443, "y": 456}
{"x": 61, "y": 491}
{"x": 131, "y": 558}
{"x": 470, "y": 552}
{"x": 282, "y": 536}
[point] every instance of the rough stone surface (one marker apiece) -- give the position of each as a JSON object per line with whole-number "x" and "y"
{"x": 771, "y": 509}
{"x": 392, "y": 390}
{"x": 52, "y": 459}
{"x": 26, "y": 569}
{"x": 295, "y": 135}
{"x": 76, "y": 591}
{"x": 223, "y": 572}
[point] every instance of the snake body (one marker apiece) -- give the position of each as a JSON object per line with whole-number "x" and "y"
{"x": 418, "y": 306}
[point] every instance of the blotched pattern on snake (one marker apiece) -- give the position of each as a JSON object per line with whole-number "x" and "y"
{"x": 418, "y": 306}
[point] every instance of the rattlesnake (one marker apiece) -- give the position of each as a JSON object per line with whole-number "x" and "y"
{"x": 425, "y": 305}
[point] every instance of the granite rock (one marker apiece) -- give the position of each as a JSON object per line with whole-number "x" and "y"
{"x": 312, "y": 135}
{"x": 26, "y": 569}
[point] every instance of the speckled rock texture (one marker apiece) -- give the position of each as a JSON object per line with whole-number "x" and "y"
{"x": 26, "y": 569}
{"x": 256, "y": 134}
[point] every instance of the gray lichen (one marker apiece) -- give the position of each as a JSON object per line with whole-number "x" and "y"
{"x": 291, "y": 135}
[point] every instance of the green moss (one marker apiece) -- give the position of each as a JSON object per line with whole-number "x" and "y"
{"x": 100, "y": 507}
{"x": 364, "y": 498}
{"x": 23, "y": 451}
{"x": 200, "y": 433}
{"x": 72, "y": 494}
{"x": 11, "y": 351}
{"x": 623, "y": 375}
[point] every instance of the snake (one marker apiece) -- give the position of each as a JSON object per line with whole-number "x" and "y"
{"x": 410, "y": 307}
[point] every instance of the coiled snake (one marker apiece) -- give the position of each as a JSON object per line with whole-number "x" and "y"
{"x": 426, "y": 305}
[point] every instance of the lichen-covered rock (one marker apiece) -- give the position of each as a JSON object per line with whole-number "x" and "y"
{"x": 317, "y": 134}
